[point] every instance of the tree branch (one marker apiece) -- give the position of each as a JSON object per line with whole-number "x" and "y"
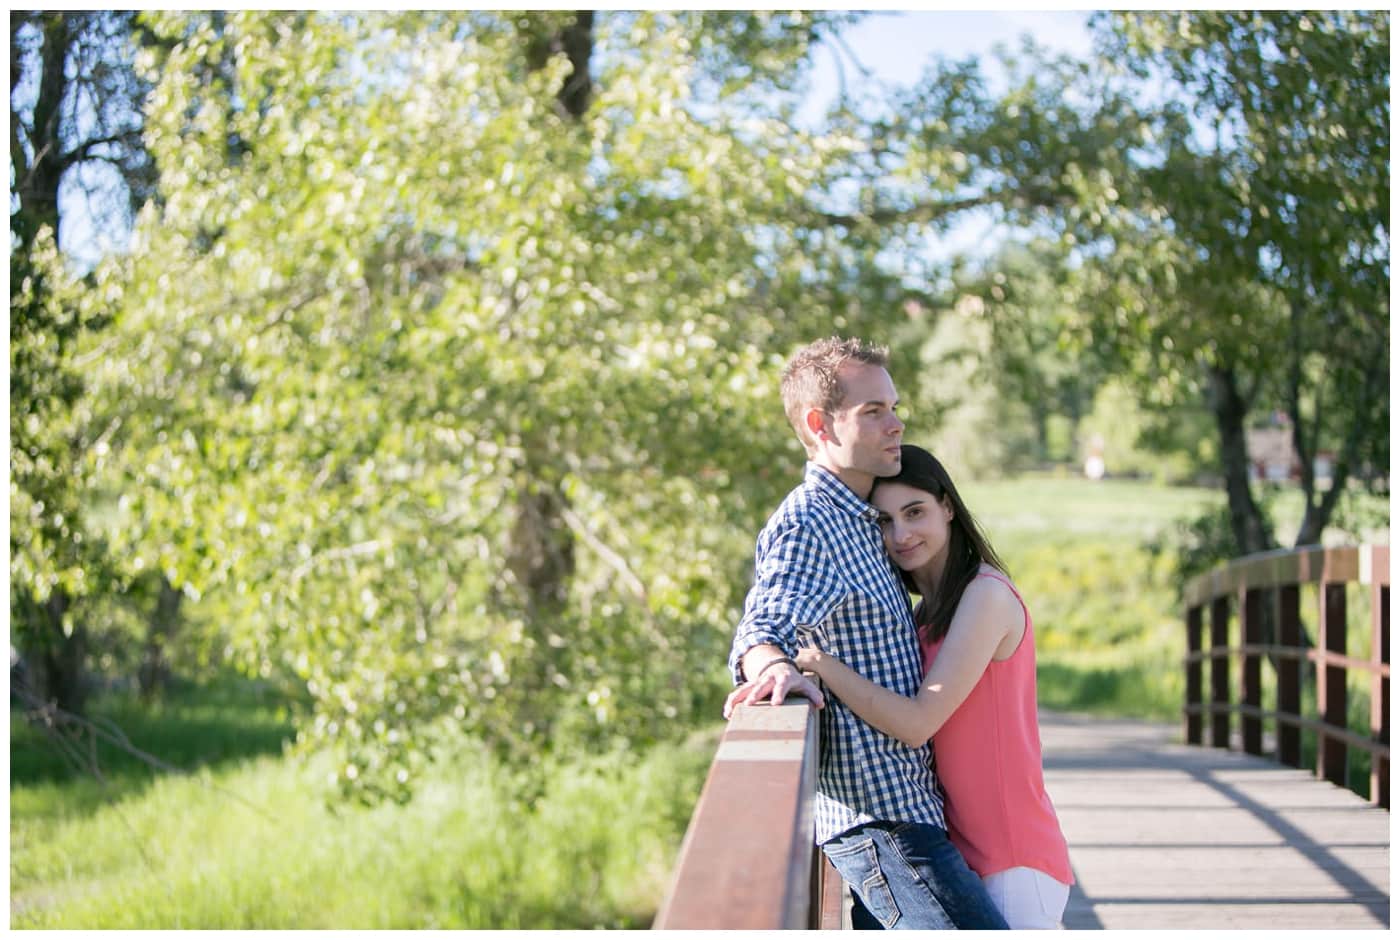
{"x": 1295, "y": 409}
{"x": 336, "y": 554}
{"x": 618, "y": 564}
{"x": 69, "y": 732}
{"x": 83, "y": 152}
{"x": 1341, "y": 468}
{"x": 923, "y": 213}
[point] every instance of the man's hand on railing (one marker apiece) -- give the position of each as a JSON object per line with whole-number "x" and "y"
{"x": 775, "y": 683}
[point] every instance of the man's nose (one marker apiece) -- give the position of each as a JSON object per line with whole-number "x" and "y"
{"x": 896, "y": 425}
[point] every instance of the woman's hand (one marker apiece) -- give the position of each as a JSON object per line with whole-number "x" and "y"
{"x": 809, "y": 659}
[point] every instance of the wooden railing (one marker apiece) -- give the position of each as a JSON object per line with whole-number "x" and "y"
{"x": 748, "y": 860}
{"x": 1264, "y": 588}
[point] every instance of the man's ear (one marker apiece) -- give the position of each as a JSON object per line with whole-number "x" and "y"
{"x": 816, "y": 422}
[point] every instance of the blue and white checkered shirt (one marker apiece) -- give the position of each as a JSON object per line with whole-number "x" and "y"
{"x": 822, "y": 577}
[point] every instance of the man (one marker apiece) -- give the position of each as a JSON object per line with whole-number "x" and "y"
{"x": 822, "y": 577}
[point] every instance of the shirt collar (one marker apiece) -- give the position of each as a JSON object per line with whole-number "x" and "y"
{"x": 829, "y": 485}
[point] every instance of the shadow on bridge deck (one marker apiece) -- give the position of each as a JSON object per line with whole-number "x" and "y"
{"x": 1166, "y": 836}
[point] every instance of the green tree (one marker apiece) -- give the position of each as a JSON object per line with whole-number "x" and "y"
{"x": 1007, "y": 357}
{"x": 1040, "y": 352}
{"x": 1258, "y": 222}
{"x": 1218, "y": 185}
{"x": 74, "y": 110}
{"x": 454, "y": 380}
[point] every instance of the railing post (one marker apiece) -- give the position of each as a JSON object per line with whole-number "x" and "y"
{"x": 833, "y": 899}
{"x": 1220, "y": 672}
{"x": 1193, "y": 675}
{"x": 1290, "y": 665}
{"x": 1332, "y": 683}
{"x": 1251, "y": 607}
{"x": 1380, "y": 684}
{"x": 1267, "y": 587}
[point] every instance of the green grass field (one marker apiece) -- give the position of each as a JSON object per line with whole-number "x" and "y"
{"x": 1108, "y": 629}
{"x": 252, "y": 839}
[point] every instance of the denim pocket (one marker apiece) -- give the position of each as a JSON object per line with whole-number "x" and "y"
{"x": 879, "y": 900}
{"x": 859, "y": 864}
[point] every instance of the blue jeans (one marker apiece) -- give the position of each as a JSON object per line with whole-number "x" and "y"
{"x": 908, "y": 876}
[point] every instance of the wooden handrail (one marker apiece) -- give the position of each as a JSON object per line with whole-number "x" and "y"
{"x": 748, "y": 861}
{"x": 1274, "y": 579}
{"x": 1312, "y": 564}
{"x": 1290, "y": 652}
{"x": 1308, "y": 724}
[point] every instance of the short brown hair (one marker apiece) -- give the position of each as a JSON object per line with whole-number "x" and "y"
{"x": 811, "y": 378}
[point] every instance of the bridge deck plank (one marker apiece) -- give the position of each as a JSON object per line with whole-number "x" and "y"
{"x": 1167, "y": 836}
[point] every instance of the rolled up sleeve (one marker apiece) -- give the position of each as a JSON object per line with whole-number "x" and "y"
{"x": 795, "y": 588}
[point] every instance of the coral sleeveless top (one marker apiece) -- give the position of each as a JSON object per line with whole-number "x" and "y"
{"x": 988, "y": 760}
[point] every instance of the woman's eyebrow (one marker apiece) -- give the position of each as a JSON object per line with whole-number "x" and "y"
{"x": 911, "y": 504}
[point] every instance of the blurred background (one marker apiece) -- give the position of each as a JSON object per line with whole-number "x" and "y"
{"x": 393, "y": 403}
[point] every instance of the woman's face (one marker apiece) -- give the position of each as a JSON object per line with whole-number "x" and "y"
{"x": 914, "y": 524}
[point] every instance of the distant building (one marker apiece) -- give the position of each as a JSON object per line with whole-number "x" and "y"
{"x": 1273, "y": 458}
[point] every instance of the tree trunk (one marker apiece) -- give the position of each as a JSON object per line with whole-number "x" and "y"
{"x": 153, "y": 676}
{"x": 541, "y": 550}
{"x": 540, "y": 555}
{"x": 39, "y": 172}
{"x": 1357, "y": 420}
{"x": 1251, "y": 530}
{"x": 54, "y": 660}
{"x": 575, "y": 40}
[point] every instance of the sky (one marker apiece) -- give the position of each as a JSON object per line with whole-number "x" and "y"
{"x": 897, "y": 45}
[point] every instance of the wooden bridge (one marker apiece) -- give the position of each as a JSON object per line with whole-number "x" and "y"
{"x": 1162, "y": 834}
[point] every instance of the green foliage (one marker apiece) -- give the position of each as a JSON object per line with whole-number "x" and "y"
{"x": 1201, "y": 543}
{"x": 1198, "y": 542}
{"x": 1036, "y": 351}
{"x": 1172, "y": 445}
{"x": 1105, "y": 607}
{"x": 1107, "y": 631}
{"x": 594, "y": 849}
{"x": 457, "y": 407}
{"x": 1208, "y": 194}
{"x": 444, "y": 383}
{"x": 61, "y": 566}
{"x": 977, "y": 431}
{"x": 48, "y": 511}
{"x": 1252, "y": 237}
{"x": 206, "y": 726}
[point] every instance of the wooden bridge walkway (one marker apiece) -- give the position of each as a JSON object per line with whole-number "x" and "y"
{"x": 1165, "y": 836}
{"x": 1162, "y": 835}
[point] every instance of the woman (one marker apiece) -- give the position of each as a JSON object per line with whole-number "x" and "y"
{"x": 977, "y": 700}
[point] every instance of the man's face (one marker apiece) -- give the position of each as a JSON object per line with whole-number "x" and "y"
{"x": 864, "y": 432}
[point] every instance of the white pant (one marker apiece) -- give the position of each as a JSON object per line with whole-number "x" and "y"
{"x": 1027, "y": 898}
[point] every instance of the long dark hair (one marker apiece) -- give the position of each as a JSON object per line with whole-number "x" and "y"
{"x": 968, "y": 547}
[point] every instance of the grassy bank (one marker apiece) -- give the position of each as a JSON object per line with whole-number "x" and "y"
{"x": 1109, "y": 620}
{"x": 250, "y": 841}
{"x": 1108, "y": 628}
